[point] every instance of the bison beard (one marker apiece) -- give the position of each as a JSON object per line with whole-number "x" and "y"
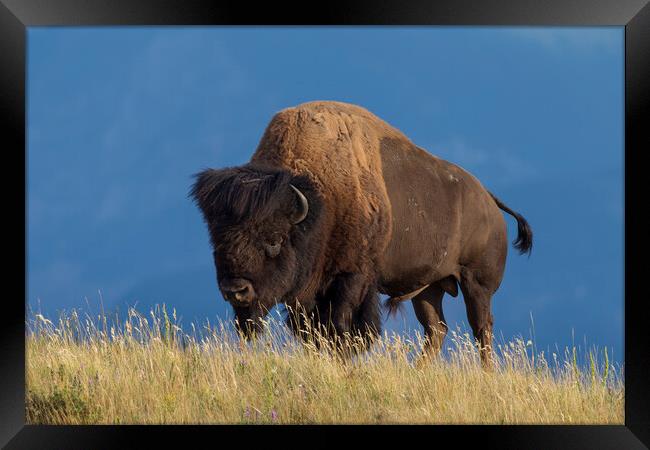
{"x": 335, "y": 207}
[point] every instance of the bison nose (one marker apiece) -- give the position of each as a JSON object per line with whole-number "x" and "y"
{"x": 237, "y": 291}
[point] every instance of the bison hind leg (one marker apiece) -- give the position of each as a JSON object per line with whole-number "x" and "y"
{"x": 428, "y": 310}
{"x": 478, "y": 298}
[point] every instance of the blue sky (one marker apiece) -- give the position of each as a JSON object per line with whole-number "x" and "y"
{"x": 120, "y": 118}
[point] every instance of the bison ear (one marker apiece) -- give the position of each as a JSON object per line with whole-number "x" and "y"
{"x": 302, "y": 206}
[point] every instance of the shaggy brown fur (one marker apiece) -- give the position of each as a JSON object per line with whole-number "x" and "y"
{"x": 384, "y": 215}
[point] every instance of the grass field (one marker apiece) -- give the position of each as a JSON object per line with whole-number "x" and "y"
{"x": 148, "y": 370}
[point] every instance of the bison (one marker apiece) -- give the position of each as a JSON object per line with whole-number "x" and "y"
{"x": 336, "y": 206}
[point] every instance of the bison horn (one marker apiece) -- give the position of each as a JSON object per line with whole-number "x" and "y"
{"x": 304, "y": 206}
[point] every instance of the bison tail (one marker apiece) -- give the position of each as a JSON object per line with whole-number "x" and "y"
{"x": 524, "y": 241}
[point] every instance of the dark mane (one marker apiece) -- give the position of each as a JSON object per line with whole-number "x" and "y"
{"x": 234, "y": 194}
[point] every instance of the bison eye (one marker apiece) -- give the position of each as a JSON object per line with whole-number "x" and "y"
{"x": 272, "y": 247}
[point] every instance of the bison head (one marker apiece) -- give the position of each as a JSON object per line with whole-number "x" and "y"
{"x": 262, "y": 224}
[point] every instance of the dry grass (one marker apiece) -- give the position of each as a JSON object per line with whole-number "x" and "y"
{"x": 148, "y": 370}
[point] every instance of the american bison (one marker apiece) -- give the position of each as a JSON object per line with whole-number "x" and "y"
{"x": 336, "y": 206}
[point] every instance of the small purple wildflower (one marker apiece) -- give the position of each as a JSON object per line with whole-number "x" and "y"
{"x": 247, "y": 412}
{"x": 274, "y": 415}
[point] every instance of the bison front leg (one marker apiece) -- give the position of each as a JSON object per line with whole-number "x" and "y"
{"x": 352, "y": 307}
{"x": 247, "y": 321}
{"x": 304, "y": 323}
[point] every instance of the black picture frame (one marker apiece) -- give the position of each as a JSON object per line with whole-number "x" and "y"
{"x": 17, "y": 15}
